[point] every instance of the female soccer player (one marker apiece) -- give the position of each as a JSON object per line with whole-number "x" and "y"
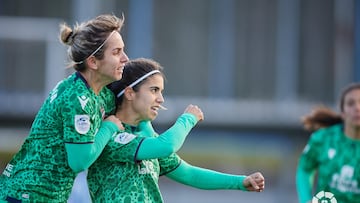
{"x": 70, "y": 130}
{"x": 128, "y": 170}
{"x": 333, "y": 151}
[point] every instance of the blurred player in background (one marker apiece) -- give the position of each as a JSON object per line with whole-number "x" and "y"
{"x": 70, "y": 130}
{"x": 128, "y": 170}
{"x": 332, "y": 154}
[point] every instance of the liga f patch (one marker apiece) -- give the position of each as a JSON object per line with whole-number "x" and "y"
{"x": 124, "y": 138}
{"x": 82, "y": 123}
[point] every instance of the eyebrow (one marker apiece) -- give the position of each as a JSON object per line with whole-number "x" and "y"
{"x": 154, "y": 87}
{"x": 117, "y": 49}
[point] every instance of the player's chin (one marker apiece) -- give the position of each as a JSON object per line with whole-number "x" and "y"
{"x": 118, "y": 77}
{"x": 151, "y": 115}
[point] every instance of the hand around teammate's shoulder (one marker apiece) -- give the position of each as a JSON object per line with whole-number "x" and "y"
{"x": 196, "y": 111}
{"x": 254, "y": 182}
{"x": 115, "y": 120}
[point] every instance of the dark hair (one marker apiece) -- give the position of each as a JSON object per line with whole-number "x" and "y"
{"x": 134, "y": 70}
{"x": 345, "y": 91}
{"x": 322, "y": 116}
{"x": 85, "y": 38}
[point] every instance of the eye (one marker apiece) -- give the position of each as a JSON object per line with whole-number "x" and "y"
{"x": 117, "y": 51}
{"x": 350, "y": 102}
{"x": 155, "y": 89}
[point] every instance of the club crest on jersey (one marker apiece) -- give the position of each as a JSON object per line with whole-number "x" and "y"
{"x": 124, "y": 138}
{"x": 82, "y": 123}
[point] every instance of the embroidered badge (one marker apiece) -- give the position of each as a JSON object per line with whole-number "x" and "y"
{"x": 124, "y": 138}
{"x": 82, "y": 123}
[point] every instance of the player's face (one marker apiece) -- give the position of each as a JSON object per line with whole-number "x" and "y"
{"x": 112, "y": 65}
{"x": 149, "y": 97}
{"x": 351, "y": 112}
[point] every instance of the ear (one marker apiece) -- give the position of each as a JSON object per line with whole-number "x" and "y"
{"x": 129, "y": 93}
{"x": 91, "y": 62}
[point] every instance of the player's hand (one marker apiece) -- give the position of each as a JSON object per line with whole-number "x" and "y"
{"x": 115, "y": 120}
{"x": 255, "y": 182}
{"x": 195, "y": 110}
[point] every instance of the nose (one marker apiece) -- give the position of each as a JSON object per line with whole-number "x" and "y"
{"x": 124, "y": 58}
{"x": 160, "y": 98}
{"x": 357, "y": 106}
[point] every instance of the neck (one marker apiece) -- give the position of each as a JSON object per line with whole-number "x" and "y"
{"x": 93, "y": 81}
{"x": 352, "y": 132}
{"x": 127, "y": 115}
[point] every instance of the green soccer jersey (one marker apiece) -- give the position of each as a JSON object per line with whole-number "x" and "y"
{"x": 71, "y": 114}
{"x": 337, "y": 159}
{"x": 117, "y": 176}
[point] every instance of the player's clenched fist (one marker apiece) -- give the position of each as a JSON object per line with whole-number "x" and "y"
{"x": 193, "y": 109}
{"x": 255, "y": 182}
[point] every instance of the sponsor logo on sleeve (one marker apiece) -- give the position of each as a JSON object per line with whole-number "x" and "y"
{"x": 82, "y": 123}
{"x": 124, "y": 138}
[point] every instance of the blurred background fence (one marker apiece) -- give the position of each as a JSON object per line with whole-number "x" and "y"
{"x": 253, "y": 66}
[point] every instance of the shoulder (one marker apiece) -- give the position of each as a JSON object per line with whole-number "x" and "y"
{"x": 327, "y": 133}
{"x": 68, "y": 86}
{"x": 107, "y": 92}
{"x": 108, "y": 96}
{"x": 72, "y": 93}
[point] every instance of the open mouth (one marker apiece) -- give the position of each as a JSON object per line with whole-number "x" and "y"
{"x": 160, "y": 107}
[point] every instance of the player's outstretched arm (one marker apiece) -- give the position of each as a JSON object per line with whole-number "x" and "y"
{"x": 172, "y": 139}
{"x": 304, "y": 182}
{"x": 213, "y": 180}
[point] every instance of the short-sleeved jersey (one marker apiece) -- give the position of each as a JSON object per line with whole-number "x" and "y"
{"x": 117, "y": 176}
{"x": 71, "y": 114}
{"x": 337, "y": 159}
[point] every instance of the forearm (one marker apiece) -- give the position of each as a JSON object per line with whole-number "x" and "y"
{"x": 168, "y": 142}
{"x": 206, "y": 179}
{"x": 81, "y": 156}
{"x": 304, "y": 184}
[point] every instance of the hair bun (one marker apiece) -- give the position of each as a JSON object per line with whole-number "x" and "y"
{"x": 69, "y": 38}
{"x": 66, "y": 34}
